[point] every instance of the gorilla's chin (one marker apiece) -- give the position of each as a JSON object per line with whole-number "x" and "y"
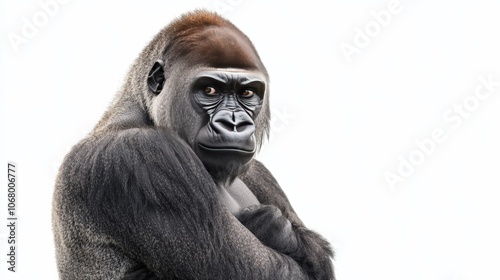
{"x": 224, "y": 164}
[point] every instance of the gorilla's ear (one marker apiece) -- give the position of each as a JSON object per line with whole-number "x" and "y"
{"x": 156, "y": 77}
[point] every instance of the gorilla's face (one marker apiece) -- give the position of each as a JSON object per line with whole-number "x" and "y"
{"x": 230, "y": 99}
{"x": 211, "y": 94}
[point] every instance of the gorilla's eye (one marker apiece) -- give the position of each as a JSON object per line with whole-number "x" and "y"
{"x": 210, "y": 91}
{"x": 247, "y": 93}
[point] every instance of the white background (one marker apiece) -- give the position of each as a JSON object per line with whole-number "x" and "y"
{"x": 340, "y": 122}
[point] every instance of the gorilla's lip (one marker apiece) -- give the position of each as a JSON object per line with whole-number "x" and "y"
{"x": 226, "y": 149}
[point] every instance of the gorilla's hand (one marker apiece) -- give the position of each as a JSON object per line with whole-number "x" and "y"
{"x": 268, "y": 224}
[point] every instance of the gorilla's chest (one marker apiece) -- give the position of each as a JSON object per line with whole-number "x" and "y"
{"x": 238, "y": 196}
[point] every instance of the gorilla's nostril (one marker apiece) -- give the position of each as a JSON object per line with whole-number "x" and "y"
{"x": 227, "y": 125}
{"x": 243, "y": 126}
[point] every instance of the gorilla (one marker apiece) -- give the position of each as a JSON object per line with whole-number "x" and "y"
{"x": 166, "y": 185}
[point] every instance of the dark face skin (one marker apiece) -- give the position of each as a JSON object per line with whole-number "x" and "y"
{"x": 231, "y": 99}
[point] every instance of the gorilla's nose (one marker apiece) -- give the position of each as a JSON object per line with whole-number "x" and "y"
{"x": 228, "y": 122}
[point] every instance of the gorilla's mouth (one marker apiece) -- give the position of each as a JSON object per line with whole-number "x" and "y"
{"x": 226, "y": 144}
{"x": 227, "y": 149}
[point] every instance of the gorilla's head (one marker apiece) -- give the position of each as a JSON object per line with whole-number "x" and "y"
{"x": 202, "y": 78}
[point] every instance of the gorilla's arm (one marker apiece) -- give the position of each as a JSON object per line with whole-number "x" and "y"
{"x": 144, "y": 194}
{"x": 311, "y": 250}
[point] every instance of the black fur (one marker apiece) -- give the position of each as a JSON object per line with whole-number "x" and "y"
{"x": 134, "y": 201}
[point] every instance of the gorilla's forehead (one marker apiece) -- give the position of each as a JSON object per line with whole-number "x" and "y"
{"x": 221, "y": 47}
